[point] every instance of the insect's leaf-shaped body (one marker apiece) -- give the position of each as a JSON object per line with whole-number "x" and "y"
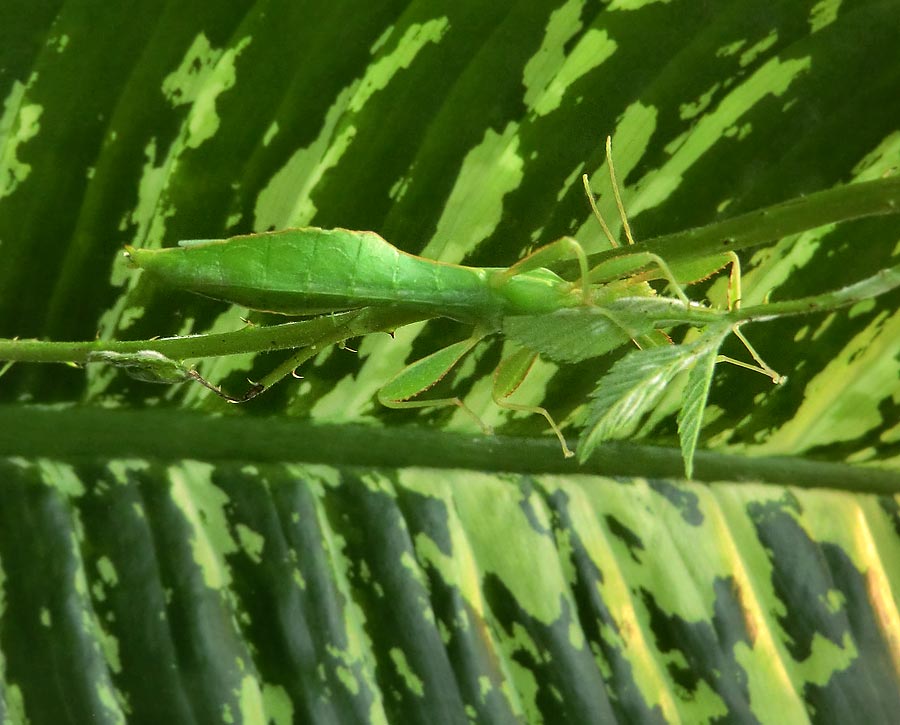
{"x": 311, "y": 271}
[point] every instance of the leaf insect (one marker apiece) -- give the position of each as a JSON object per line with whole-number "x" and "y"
{"x": 312, "y": 271}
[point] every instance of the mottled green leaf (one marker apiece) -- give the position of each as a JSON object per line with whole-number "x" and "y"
{"x": 313, "y": 557}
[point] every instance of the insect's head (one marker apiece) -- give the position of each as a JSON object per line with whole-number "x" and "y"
{"x": 129, "y": 259}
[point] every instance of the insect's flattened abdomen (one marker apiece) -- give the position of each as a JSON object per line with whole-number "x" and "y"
{"x": 305, "y": 271}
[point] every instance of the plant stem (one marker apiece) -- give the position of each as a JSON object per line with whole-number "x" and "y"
{"x": 665, "y": 312}
{"x": 84, "y": 433}
{"x": 879, "y": 283}
{"x": 854, "y": 201}
{"x": 326, "y": 330}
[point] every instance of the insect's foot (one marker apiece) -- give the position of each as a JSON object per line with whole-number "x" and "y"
{"x": 254, "y": 390}
{"x": 194, "y": 375}
{"x": 762, "y": 366}
{"x": 488, "y": 430}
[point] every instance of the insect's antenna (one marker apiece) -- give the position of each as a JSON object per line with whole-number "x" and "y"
{"x": 615, "y": 188}
{"x": 590, "y": 195}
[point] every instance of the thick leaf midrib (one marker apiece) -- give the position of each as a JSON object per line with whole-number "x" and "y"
{"x": 83, "y": 432}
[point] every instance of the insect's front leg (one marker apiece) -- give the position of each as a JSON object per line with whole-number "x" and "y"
{"x": 288, "y": 367}
{"x": 423, "y": 374}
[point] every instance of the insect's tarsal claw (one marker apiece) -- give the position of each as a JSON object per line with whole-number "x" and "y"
{"x": 254, "y": 390}
{"x": 228, "y": 398}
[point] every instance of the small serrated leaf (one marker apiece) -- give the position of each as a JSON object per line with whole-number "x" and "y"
{"x": 567, "y": 336}
{"x": 630, "y": 389}
{"x": 693, "y": 401}
{"x": 581, "y": 333}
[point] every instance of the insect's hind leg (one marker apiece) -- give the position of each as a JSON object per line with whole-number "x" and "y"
{"x": 761, "y": 365}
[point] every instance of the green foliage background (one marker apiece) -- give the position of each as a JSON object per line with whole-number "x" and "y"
{"x": 312, "y": 557}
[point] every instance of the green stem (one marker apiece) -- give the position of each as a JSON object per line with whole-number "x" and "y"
{"x": 884, "y": 281}
{"x": 325, "y": 330}
{"x": 84, "y": 433}
{"x": 330, "y": 329}
{"x": 854, "y": 201}
{"x": 668, "y": 312}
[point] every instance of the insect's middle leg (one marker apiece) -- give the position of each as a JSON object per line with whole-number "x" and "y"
{"x": 508, "y": 376}
{"x": 423, "y": 374}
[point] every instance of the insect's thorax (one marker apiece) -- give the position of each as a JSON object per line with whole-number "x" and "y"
{"x": 535, "y": 292}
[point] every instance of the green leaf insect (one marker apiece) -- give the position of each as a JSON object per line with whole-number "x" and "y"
{"x": 314, "y": 271}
